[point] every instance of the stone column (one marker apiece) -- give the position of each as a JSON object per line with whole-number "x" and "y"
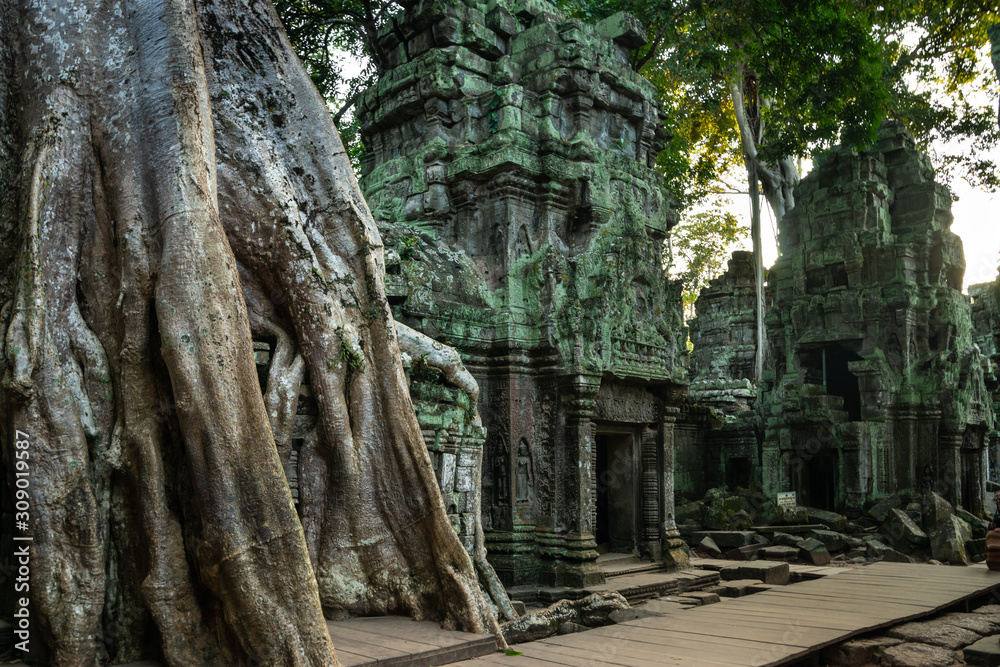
{"x": 573, "y": 546}
{"x": 675, "y": 551}
{"x": 949, "y": 473}
{"x": 650, "y": 542}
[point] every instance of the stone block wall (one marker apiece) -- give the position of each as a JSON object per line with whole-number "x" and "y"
{"x": 723, "y": 335}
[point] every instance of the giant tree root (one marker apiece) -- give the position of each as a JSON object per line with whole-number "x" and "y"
{"x": 592, "y": 611}
{"x": 171, "y": 183}
{"x": 447, "y": 360}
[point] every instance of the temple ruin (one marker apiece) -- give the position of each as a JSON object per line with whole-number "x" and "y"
{"x": 509, "y": 164}
{"x": 874, "y": 385}
{"x": 717, "y": 434}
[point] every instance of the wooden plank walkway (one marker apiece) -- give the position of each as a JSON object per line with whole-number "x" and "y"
{"x": 396, "y": 641}
{"x": 773, "y": 627}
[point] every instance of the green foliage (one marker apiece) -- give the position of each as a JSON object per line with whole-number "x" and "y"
{"x": 408, "y": 246}
{"x": 828, "y": 70}
{"x": 942, "y": 83}
{"x": 326, "y": 34}
{"x": 354, "y": 361}
{"x": 701, "y": 244}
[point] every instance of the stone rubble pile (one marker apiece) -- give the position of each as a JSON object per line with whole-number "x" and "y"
{"x": 946, "y": 641}
{"x": 745, "y": 525}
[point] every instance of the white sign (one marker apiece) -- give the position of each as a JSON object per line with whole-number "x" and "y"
{"x": 787, "y": 499}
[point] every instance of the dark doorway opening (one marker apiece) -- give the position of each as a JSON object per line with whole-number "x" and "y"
{"x": 616, "y": 492}
{"x": 816, "y": 480}
{"x": 972, "y": 494}
{"x": 738, "y": 472}
{"x": 829, "y": 366}
{"x": 842, "y": 382}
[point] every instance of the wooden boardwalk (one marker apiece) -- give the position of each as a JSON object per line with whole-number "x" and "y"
{"x": 396, "y": 641}
{"x": 393, "y": 640}
{"x": 774, "y": 627}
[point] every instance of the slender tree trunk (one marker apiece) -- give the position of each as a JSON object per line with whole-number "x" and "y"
{"x": 778, "y": 184}
{"x": 758, "y": 267}
{"x": 174, "y": 187}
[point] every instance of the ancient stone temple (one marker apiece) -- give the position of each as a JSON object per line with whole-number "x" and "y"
{"x": 509, "y": 156}
{"x": 873, "y": 383}
{"x": 986, "y": 330}
{"x": 716, "y": 435}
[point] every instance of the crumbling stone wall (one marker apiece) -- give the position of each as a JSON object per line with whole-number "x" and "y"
{"x": 509, "y": 163}
{"x": 873, "y": 384}
{"x": 723, "y": 335}
{"x": 985, "y": 328}
{"x": 721, "y": 450}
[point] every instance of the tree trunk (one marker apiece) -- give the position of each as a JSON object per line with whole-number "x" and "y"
{"x": 173, "y": 186}
{"x": 777, "y": 182}
{"x": 758, "y": 268}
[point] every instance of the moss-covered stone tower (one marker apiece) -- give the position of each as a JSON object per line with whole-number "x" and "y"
{"x": 716, "y": 439}
{"x": 873, "y": 384}
{"x": 509, "y": 161}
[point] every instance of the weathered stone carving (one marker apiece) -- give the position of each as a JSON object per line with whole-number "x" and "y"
{"x": 873, "y": 383}
{"x": 509, "y": 166}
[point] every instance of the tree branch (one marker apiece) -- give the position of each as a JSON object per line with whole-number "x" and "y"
{"x": 747, "y": 139}
{"x": 350, "y": 102}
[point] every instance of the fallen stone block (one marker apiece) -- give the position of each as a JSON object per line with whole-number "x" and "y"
{"x": 831, "y": 520}
{"x": 709, "y": 547}
{"x": 936, "y": 509}
{"x": 981, "y": 624}
{"x": 979, "y": 527}
{"x": 737, "y": 588}
{"x": 903, "y": 533}
{"x": 936, "y": 632}
{"x": 815, "y": 552}
{"x": 788, "y": 554}
{"x": 893, "y": 556}
{"x": 749, "y": 552}
{"x": 857, "y": 652}
{"x": 726, "y": 539}
{"x": 767, "y": 571}
{"x": 917, "y": 655}
{"x": 689, "y": 512}
{"x": 880, "y": 510}
{"x": 833, "y": 541}
{"x": 786, "y": 540}
{"x": 948, "y": 540}
{"x": 877, "y": 549}
{"x": 983, "y": 653}
{"x": 701, "y": 598}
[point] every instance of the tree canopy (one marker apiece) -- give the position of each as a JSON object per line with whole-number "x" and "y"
{"x": 753, "y": 84}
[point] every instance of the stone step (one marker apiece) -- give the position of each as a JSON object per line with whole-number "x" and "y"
{"x": 770, "y": 572}
{"x": 635, "y": 568}
{"x": 984, "y": 653}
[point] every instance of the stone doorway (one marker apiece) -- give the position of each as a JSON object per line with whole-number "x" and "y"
{"x": 739, "y": 472}
{"x": 617, "y": 519}
{"x": 815, "y": 480}
{"x": 842, "y": 382}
